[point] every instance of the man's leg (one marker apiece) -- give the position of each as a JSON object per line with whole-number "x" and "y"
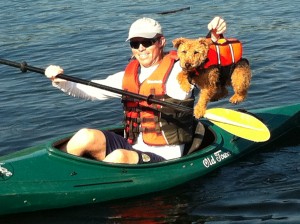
{"x": 89, "y": 141}
{"x": 93, "y": 142}
{"x": 122, "y": 156}
{"x": 107, "y": 146}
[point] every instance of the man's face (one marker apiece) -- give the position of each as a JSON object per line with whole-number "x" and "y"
{"x": 147, "y": 51}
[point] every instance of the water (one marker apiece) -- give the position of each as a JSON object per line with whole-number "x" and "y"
{"x": 87, "y": 38}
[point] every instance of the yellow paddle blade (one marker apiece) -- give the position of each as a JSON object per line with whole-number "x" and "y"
{"x": 238, "y": 123}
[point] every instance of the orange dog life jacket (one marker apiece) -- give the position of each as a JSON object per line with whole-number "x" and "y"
{"x": 224, "y": 52}
{"x": 158, "y": 125}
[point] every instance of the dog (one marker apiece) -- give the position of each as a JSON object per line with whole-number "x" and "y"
{"x": 204, "y": 65}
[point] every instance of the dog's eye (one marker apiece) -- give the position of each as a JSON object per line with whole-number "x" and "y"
{"x": 196, "y": 52}
{"x": 183, "y": 52}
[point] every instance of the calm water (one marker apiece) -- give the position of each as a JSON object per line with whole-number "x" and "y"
{"x": 87, "y": 39}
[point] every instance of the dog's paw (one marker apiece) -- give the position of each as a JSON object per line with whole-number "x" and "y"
{"x": 236, "y": 98}
{"x": 184, "y": 83}
{"x": 186, "y": 87}
{"x": 199, "y": 112}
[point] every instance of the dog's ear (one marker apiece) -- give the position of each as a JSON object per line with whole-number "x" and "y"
{"x": 209, "y": 41}
{"x": 202, "y": 41}
{"x": 205, "y": 41}
{"x": 176, "y": 42}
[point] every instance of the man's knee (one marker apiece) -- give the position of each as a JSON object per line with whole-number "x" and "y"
{"x": 122, "y": 156}
{"x": 85, "y": 134}
{"x": 89, "y": 136}
{"x": 87, "y": 140}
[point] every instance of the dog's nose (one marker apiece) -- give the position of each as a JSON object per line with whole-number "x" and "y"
{"x": 187, "y": 65}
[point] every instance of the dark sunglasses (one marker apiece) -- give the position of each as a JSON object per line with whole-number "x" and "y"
{"x": 145, "y": 42}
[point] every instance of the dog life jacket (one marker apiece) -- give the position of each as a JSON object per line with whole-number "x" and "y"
{"x": 159, "y": 125}
{"x": 224, "y": 52}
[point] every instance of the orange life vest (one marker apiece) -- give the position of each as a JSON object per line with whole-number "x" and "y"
{"x": 224, "y": 52}
{"x": 159, "y": 125}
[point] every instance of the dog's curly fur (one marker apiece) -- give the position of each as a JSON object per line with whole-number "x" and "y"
{"x": 193, "y": 54}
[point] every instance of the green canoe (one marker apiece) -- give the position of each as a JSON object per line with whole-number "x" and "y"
{"x": 43, "y": 177}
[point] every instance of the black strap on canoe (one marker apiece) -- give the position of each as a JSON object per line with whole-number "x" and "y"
{"x": 198, "y": 138}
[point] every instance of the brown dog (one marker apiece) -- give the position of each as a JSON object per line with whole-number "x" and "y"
{"x": 203, "y": 65}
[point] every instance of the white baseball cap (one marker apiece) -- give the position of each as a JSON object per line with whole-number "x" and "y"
{"x": 144, "y": 27}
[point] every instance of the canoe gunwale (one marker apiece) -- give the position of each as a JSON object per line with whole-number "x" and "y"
{"x": 209, "y": 147}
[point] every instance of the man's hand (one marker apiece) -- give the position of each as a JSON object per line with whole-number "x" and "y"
{"x": 52, "y": 71}
{"x": 217, "y": 26}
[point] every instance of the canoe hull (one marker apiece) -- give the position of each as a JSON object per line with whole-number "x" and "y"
{"x": 44, "y": 177}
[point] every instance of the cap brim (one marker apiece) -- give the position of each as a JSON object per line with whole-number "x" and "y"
{"x": 143, "y": 35}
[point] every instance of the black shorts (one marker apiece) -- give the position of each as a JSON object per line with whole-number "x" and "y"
{"x": 115, "y": 141}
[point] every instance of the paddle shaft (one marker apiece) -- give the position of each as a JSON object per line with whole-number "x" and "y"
{"x": 150, "y": 99}
{"x": 233, "y": 123}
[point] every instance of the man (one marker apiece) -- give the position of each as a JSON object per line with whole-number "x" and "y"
{"x": 153, "y": 133}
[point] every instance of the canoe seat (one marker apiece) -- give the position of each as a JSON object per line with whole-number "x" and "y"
{"x": 197, "y": 140}
{"x": 203, "y": 137}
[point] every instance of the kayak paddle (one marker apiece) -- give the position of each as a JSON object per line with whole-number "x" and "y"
{"x": 237, "y": 123}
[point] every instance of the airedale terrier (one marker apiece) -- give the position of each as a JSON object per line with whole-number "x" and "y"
{"x": 212, "y": 67}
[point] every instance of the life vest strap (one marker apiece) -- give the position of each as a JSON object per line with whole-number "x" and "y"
{"x": 156, "y": 130}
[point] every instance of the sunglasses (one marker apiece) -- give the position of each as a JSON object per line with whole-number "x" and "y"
{"x": 145, "y": 42}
